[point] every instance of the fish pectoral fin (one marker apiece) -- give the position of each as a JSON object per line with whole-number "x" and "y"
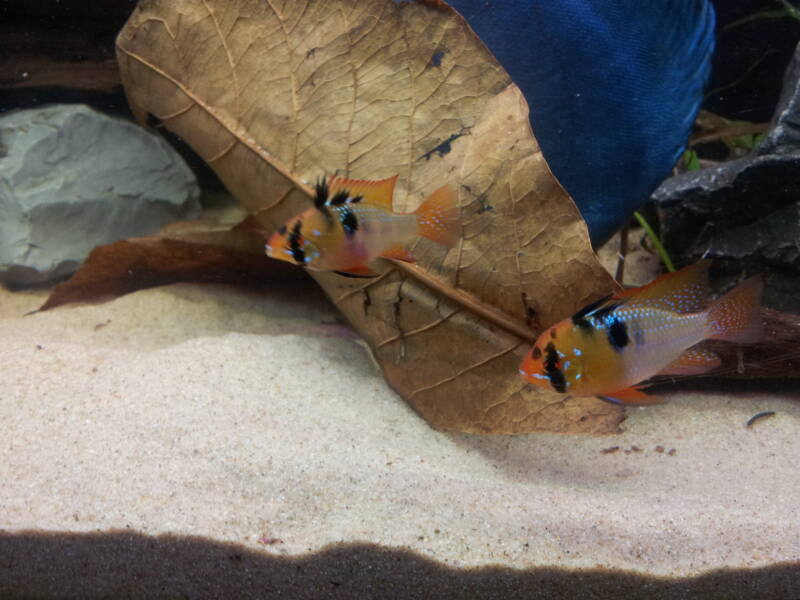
{"x": 631, "y": 396}
{"x": 357, "y": 272}
{"x": 398, "y": 252}
{"x": 694, "y": 361}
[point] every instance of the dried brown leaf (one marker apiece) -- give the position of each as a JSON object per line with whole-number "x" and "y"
{"x": 189, "y": 252}
{"x": 273, "y": 94}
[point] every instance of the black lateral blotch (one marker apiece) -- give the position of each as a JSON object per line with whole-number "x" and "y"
{"x": 618, "y": 334}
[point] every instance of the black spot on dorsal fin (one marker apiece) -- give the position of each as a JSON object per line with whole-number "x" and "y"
{"x": 589, "y": 308}
{"x": 598, "y": 311}
{"x": 341, "y": 197}
{"x": 602, "y": 313}
{"x": 321, "y": 195}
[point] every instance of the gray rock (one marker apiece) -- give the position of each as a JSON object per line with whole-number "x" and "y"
{"x": 72, "y": 178}
{"x": 784, "y": 135}
{"x": 745, "y": 212}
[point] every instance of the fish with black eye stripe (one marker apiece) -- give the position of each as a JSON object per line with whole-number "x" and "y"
{"x": 611, "y": 346}
{"x": 352, "y": 223}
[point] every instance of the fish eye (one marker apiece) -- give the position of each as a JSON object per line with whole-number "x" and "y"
{"x": 536, "y": 353}
{"x": 282, "y": 230}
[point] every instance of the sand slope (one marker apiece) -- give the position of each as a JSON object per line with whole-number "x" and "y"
{"x": 252, "y": 418}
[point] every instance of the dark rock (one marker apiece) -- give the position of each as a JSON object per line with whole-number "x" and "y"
{"x": 745, "y": 212}
{"x": 754, "y": 46}
{"x": 784, "y": 134}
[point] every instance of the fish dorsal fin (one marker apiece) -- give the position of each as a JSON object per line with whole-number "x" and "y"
{"x": 684, "y": 291}
{"x": 607, "y": 303}
{"x": 321, "y": 195}
{"x": 378, "y": 192}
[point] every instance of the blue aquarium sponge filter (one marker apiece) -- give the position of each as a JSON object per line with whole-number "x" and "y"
{"x": 613, "y": 87}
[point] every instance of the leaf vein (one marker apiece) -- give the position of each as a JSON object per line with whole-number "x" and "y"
{"x": 471, "y": 367}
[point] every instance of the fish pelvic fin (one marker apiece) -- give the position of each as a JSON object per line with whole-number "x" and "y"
{"x": 736, "y": 317}
{"x": 694, "y": 361}
{"x": 632, "y": 396}
{"x": 438, "y": 217}
{"x": 362, "y": 271}
{"x": 683, "y": 291}
{"x": 398, "y": 252}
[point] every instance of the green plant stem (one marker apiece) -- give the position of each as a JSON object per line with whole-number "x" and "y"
{"x": 767, "y": 14}
{"x": 662, "y": 252}
{"x": 790, "y": 8}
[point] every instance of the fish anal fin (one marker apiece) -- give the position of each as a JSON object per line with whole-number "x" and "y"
{"x": 398, "y": 252}
{"x": 362, "y": 271}
{"x": 694, "y": 361}
{"x": 378, "y": 192}
{"x": 631, "y": 396}
{"x": 683, "y": 291}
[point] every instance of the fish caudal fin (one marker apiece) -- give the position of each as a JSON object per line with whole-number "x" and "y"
{"x": 736, "y": 317}
{"x": 438, "y": 217}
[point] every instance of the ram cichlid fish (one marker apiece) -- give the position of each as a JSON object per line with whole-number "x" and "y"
{"x": 611, "y": 346}
{"x": 352, "y": 223}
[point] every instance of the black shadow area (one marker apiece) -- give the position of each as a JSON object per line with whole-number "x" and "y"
{"x": 121, "y": 564}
